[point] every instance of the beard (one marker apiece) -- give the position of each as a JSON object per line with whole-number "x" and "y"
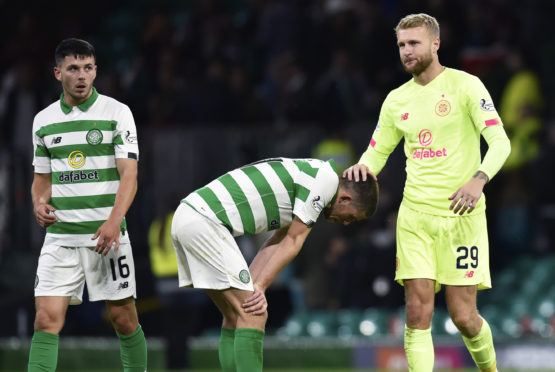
{"x": 327, "y": 212}
{"x": 420, "y": 65}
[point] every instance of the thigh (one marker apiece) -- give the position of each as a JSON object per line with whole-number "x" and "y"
{"x": 110, "y": 277}
{"x": 463, "y": 253}
{"x": 416, "y": 245}
{"x": 60, "y": 273}
{"x": 209, "y": 257}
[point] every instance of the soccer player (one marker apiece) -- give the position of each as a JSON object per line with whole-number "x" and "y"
{"x": 441, "y": 228}
{"x": 85, "y": 179}
{"x": 280, "y": 194}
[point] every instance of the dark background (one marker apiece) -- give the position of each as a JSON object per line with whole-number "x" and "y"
{"x": 217, "y": 84}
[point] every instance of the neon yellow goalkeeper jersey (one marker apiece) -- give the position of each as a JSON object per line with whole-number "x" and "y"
{"x": 441, "y": 123}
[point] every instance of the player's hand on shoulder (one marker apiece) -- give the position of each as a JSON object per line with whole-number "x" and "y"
{"x": 256, "y": 304}
{"x": 44, "y": 214}
{"x": 108, "y": 237}
{"x": 358, "y": 172}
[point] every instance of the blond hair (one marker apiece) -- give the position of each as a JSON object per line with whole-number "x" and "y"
{"x": 417, "y": 20}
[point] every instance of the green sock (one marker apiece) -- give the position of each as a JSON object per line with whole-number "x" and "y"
{"x": 43, "y": 356}
{"x": 481, "y": 348}
{"x": 226, "y": 350}
{"x": 419, "y": 349}
{"x": 248, "y": 349}
{"x": 133, "y": 351}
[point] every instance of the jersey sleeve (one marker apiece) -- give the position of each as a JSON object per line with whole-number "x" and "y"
{"x": 41, "y": 155}
{"x": 126, "y": 143}
{"x": 499, "y": 148}
{"x": 486, "y": 119}
{"x": 384, "y": 140}
{"x": 480, "y": 106}
{"x": 318, "y": 195}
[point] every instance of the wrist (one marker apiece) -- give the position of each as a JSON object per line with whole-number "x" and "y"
{"x": 259, "y": 286}
{"x": 481, "y": 176}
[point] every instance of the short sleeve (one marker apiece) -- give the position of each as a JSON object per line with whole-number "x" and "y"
{"x": 318, "y": 194}
{"x": 126, "y": 142}
{"x": 480, "y": 105}
{"x": 41, "y": 155}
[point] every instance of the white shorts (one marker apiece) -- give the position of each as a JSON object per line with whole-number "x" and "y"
{"x": 63, "y": 271}
{"x": 207, "y": 255}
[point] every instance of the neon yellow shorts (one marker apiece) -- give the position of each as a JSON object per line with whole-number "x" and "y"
{"x": 450, "y": 250}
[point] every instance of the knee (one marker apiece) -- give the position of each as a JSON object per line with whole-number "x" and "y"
{"x": 230, "y": 320}
{"x": 465, "y": 321}
{"x": 253, "y": 321}
{"x": 419, "y": 314}
{"x": 48, "y": 321}
{"x": 124, "y": 322}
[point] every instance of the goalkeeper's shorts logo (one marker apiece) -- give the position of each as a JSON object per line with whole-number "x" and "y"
{"x": 244, "y": 276}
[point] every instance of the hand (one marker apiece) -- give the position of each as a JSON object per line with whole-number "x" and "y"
{"x": 107, "y": 235}
{"x": 467, "y": 196}
{"x": 358, "y": 172}
{"x": 44, "y": 213}
{"x": 256, "y": 304}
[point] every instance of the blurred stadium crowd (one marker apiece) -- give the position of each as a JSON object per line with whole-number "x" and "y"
{"x": 215, "y": 84}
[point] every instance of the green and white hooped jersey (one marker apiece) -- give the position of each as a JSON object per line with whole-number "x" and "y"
{"x": 79, "y": 146}
{"x": 265, "y": 195}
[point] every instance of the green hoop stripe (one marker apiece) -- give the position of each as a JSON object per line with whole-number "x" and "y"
{"x": 267, "y": 195}
{"x": 215, "y": 205}
{"x": 76, "y": 126}
{"x": 285, "y": 178}
{"x": 42, "y": 151}
{"x": 83, "y": 202}
{"x": 306, "y": 168}
{"x": 89, "y": 227}
{"x": 103, "y": 149}
{"x": 243, "y": 206}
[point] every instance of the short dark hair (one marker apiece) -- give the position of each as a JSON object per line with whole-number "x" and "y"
{"x": 366, "y": 194}
{"x": 73, "y": 47}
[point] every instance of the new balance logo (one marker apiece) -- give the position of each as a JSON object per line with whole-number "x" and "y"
{"x": 405, "y": 116}
{"x": 469, "y": 274}
{"x": 56, "y": 140}
{"x": 123, "y": 285}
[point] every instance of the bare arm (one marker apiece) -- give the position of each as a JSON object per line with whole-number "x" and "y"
{"x": 109, "y": 232}
{"x": 41, "y": 193}
{"x": 265, "y": 252}
{"x": 276, "y": 253}
{"x": 283, "y": 253}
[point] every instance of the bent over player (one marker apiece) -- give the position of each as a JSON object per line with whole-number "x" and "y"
{"x": 441, "y": 229}
{"x": 85, "y": 180}
{"x": 283, "y": 195}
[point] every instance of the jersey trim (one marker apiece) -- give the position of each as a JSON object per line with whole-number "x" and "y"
{"x": 66, "y": 108}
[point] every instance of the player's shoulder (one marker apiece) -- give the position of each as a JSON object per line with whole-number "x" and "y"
{"x": 111, "y": 103}
{"x": 48, "y": 114}
{"x": 400, "y": 92}
{"x": 460, "y": 75}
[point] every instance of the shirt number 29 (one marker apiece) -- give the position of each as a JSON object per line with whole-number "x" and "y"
{"x": 463, "y": 259}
